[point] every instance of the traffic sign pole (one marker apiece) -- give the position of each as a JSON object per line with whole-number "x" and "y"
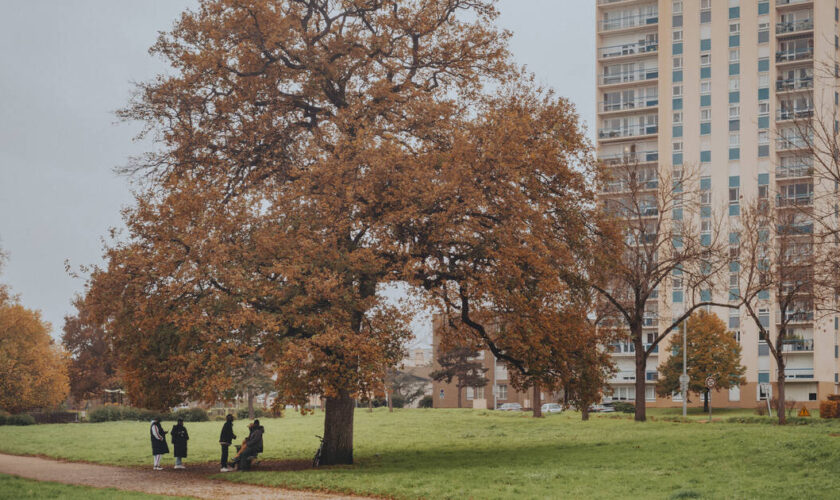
{"x": 710, "y": 384}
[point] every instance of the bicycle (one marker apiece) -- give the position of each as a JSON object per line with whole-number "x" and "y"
{"x": 316, "y": 461}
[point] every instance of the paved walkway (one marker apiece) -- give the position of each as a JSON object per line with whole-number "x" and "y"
{"x": 166, "y": 482}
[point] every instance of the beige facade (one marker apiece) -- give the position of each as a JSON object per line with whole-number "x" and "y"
{"x": 719, "y": 83}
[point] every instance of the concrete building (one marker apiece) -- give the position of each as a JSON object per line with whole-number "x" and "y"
{"x": 718, "y": 84}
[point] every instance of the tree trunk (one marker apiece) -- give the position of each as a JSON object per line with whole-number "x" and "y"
{"x": 584, "y": 413}
{"x": 641, "y": 364}
{"x": 390, "y": 395}
{"x": 781, "y": 397}
{"x": 537, "y": 401}
{"x": 706, "y": 401}
{"x": 250, "y": 405}
{"x": 338, "y": 430}
{"x": 459, "y": 396}
{"x": 370, "y": 405}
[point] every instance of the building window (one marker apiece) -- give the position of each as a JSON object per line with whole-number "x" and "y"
{"x": 678, "y": 117}
{"x": 734, "y": 55}
{"x": 502, "y": 391}
{"x": 678, "y": 35}
{"x": 705, "y": 11}
{"x": 705, "y": 87}
{"x": 763, "y": 32}
{"x": 441, "y": 394}
{"x": 705, "y": 60}
{"x": 734, "y": 111}
{"x": 734, "y": 140}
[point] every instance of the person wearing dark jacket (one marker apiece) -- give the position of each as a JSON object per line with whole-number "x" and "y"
{"x": 251, "y": 448}
{"x": 226, "y": 439}
{"x": 159, "y": 446}
{"x": 179, "y": 442}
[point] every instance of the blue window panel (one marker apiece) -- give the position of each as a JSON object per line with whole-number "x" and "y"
{"x": 763, "y": 377}
{"x": 734, "y": 12}
{"x": 734, "y": 97}
{"x": 705, "y": 100}
{"x": 705, "y": 295}
{"x": 734, "y": 267}
{"x": 705, "y": 44}
{"x": 763, "y": 94}
{"x": 734, "y": 294}
{"x": 764, "y": 295}
{"x": 734, "y": 239}
{"x": 705, "y": 156}
{"x": 677, "y": 159}
{"x": 677, "y": 270}
{"x": 734, "y": 210}
{"x": 705, "y": 183}
{"x": 678, "y": 214}
{"x": 705, "y": 211}
{"x": 734, "y": 322}
{"x": 763, "y": 122}
{"x": 677, "y": 49}
{"x": 763, "y": 8}
{"x": 678, "y": 131}
{"x": 763, "y": 151}
{"x": 651, "y": 376}
{"x": 678, "y": 243}
{"x": 678, "y": 296}
{"x": 706, "y": 240}
{"x": 763, "y": 179}
{"x": 678, "y": 188}
{"x": 836, "y": 376}
{"x": 677, "y": 21}
{"x": 836, "y": 323}
{"x": 734, "y": 125}
{"x": 734, "y": 40}
{"x": 677, "y": 103}
{"x": 706, "y": 72}
{"x": 734, "y": 69}
{"x": 734, "y": 181}
{"x": 734, "y": 153}
{"x": 705, "y": 129}
{"x": 764, "y": 64}
{"x": 836, "y": 354}
{"x": 677, "y": 76}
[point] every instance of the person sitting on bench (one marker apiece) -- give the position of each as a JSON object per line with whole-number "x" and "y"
{"x": 251, "y": 447}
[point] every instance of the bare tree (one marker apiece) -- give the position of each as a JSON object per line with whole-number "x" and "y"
{"x": 660, "y": 247}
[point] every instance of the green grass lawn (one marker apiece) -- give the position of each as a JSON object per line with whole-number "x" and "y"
{"x": 12, "y": 487}
{"x": 486, "y": 454}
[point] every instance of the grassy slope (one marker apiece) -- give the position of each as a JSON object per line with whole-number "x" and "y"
{"x": 16, "y": 488}
{"x": 484, "y": 454}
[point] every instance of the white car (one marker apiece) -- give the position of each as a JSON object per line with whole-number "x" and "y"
{"x": 551, "y": 408}
{"x": 511, "y": 407}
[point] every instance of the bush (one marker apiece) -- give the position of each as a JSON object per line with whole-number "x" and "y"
{"x": 242, "y": 413}
{"x": 21, "y": 419}
{"x": 761, "y": 409}
{"x": 398, "y": 401}
{"x": 624, "y": 407}
{"x": 830, "y": 409}
{"x": 55, "y": 417}
{"x": 115, "y": 413}
{"x": 191, "y": 415}
{"x": 427, "y": 402}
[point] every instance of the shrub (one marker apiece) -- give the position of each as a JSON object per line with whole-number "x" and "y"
{"x": 830, "y": 409}
{"x": 21, "y": 419}
{"x": 191, "y": 415}
{"x": 242, "y": 413}
{"x": 761, "y": 409}
{"x": 55, "y": 417}
{"x": 398, "y": 401}
{"x": 115, "y": 413}
{"x": 624, "y": 407}
{"x": 427, "y": 402}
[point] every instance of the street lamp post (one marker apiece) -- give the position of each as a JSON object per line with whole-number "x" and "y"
{"x": 684, "y": 377}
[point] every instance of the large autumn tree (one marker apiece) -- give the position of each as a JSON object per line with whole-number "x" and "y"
{"x": 33, "y": 369}
{"x": 294, "y": 136}
{"x": 93, "y": 363}
{"x": 712, "y": 352}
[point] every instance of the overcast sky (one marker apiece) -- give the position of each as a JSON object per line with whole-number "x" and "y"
{"x": 67, "y": 65}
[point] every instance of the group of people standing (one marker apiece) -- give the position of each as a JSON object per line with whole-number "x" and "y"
{"x": 250, "y": 448}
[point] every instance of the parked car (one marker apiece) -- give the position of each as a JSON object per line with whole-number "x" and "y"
{"x": 510, "y": 407}
{"x": 551, "y": 408}
{"x": 602, "y": 408}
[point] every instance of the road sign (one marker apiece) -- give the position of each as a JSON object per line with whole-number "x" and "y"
{"x": 684, "y": 380}
{"x": 710, "y": 382}
{"x": 804, "y": 412}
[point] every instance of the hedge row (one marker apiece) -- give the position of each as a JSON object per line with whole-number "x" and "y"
{"x": 115, "y": 413}
{"x": 22, "y": 419}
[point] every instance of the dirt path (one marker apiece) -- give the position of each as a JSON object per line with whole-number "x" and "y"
{"x": 165, "y": 482}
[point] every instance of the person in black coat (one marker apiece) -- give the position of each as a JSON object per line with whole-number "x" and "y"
{"x": 251, "y": 448}
{"x": 226, "y": 439}
{"x": 179, "y": 442}
{"x": 159, "y": 446}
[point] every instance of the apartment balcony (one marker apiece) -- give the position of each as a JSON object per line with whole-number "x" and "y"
{"x": 625, "y": 377}
{"x": 797, "y": 374}
{"x": 794, "y": 84}
{"x": 796, "y": 317}
{"x": 606, "y": 134}
{"x": 794, "y": 171}
{"x": 628, "y": 349}
{"x": 795, "y": 201}
{"x": 642, "y": 103}
{"x": 794, "y": 114}
{"x": 641, "y": 47}
{"x": 614, "y": 187}
{"x": 627, "y": 22}
{"x": 650, "y": 321}
{"x": 805, "y": 229}
{"x": 613, "y": 3}
{"x": 629, "y": 77}
{"x": 794, "y": 55}
{"x": 791, "y": 144}
{"x": 636, "y": 157}
{"x": 804, "y": 346}
{"x": 792, "y": 3}
{"x": 794, "y": 27}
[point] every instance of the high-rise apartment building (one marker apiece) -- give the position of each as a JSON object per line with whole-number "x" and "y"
{"x": 722, "y": 85}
